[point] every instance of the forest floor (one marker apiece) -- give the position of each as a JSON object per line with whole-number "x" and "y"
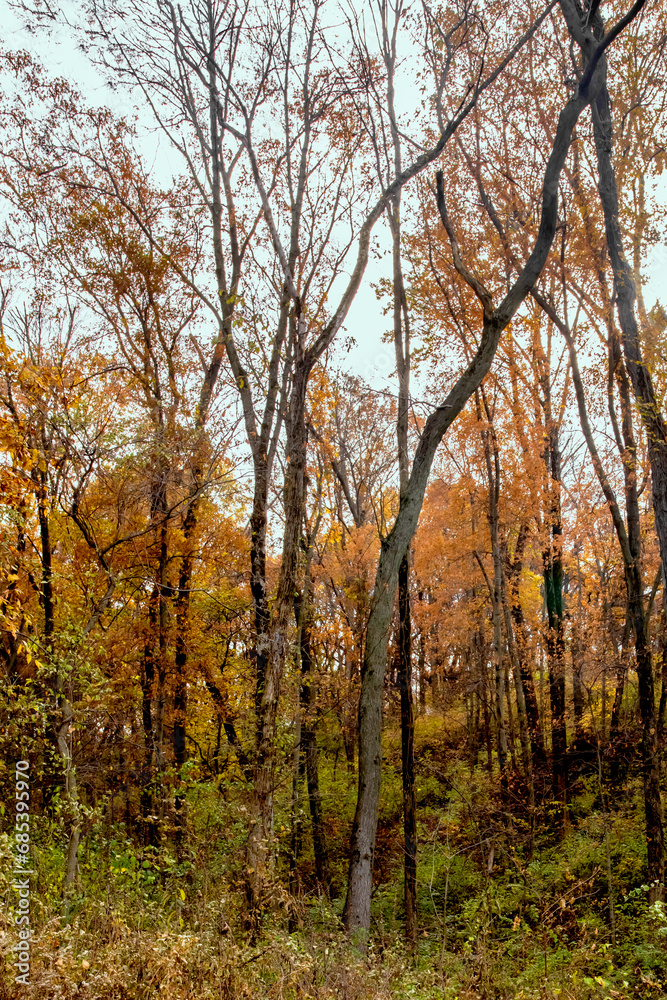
{"x": 496, "y": 920}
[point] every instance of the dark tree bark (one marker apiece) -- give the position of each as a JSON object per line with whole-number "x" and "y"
{"x": 577, "y": 655}
{"x": 42, "y": 444}
{"x": 524, "y": 732}
{"x": 492, "y": 460}
{"x": 552, "y": 569}
{"x": 305, "y": 753}
{"x": 485, "y": 695}
{"x": 395, "y": 546}
{"x": 154, "y": 666}
{"x": 182, "y": 617}
{"x": 147, "y": 682}
{"x": 309, "y": 742}
{"x": 421, "y": 666}
{"x": 626, "y": 296}
{"x": 522, "y": 650}
{"x": 630, "y": 543}
{"x": 407, "y": 752}
{"x": 656, "y": 432}
{"x": 621, "y": 679}
{"x": 578, "y": 701}
{"x": 662, "y": 708}
{"x": 46, "y": 588}
{"x": 404, "y": 650}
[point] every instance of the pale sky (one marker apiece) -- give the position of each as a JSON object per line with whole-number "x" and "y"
{"x": 369, "y": 357}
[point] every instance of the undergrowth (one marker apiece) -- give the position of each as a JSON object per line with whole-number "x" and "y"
{"x": 499, "y": 918}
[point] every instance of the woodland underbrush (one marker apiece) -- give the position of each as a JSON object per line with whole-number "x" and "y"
{"x": 503, "y": 913}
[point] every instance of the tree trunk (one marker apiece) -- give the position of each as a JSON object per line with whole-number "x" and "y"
{"x": 486, "y": 695}
{"x": 662, "y": 709}
{"x": 492, "y": 458}
{"x": 155, "y": 667}
{"x": 161, "y": 691}
{"x": 525, "y": 671}
{"x": 522, "y": 718}
{"x": 576, "y": 652}
{"x": 655, "y": 840}
{"x": 656, "y": 432}
{"x": 395, "y": 546}
{"x": 46, "y": 588}
{"x": 147, "y": 681}
{"x": 625, "y": 294}
{"x": 272, "y": 646}
{"x": 308, "y": 733}
{"x": 524, "y": 732}
{"x": 404, "y": 652}
{"x": 182, "y": 616}
{"x": 630, "y": 544}
{"x": 421, "y": 663}
{"x": 298, "y": 770}
{"x": 265, "y": 702}
{"x": 407, "y": 754}
{"x": 556, "y": 664}
{"x": 552, "y": 571}
{"x": 71, "y": 795}
{"x": 577, "y": 655}
{"x": 65, "y": 727}
{"x": 621, "y": 677}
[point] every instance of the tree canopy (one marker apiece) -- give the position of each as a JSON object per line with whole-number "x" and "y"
{"x": 316, "y": 684}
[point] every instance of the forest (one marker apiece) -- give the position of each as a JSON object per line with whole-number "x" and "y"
{"x": 333, "y": 500}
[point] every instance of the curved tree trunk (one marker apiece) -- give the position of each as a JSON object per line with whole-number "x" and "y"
{"x": 630, "y": 545}
{"x": 395, "y": 546}
{"x": 656, "y": 432}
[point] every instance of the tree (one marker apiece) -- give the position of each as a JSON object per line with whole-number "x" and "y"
{"x": 629, "y": 538}
{"x": 193, "y": 61}
{"x": 357, "y": 911}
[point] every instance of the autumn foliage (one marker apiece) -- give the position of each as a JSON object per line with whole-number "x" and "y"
{"x": 332, "y": 684}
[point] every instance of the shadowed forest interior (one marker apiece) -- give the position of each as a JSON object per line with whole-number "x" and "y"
{"x": 322, "y": 675}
